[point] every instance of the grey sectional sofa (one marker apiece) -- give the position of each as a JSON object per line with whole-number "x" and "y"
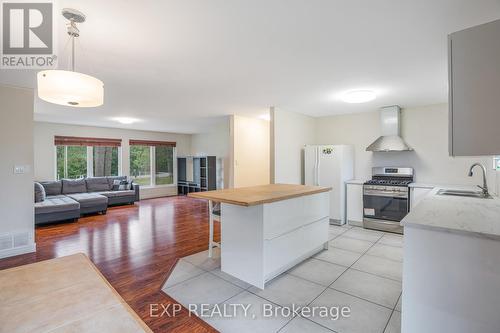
{"x": 69, "y": 199}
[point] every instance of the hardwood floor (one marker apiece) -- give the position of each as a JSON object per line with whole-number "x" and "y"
{"x": 134, "y": 247}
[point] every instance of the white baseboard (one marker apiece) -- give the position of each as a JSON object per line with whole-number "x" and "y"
{"x": 158, "y": 192}
{"x": 336, "y": 222}
{"x": 15, "y": 251}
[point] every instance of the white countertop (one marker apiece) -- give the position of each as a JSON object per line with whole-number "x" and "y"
{"x": 470, "y": 216}
{"x": 356, "y": 181}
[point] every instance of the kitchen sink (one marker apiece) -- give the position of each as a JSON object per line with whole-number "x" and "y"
{"x": 464, "y": 193}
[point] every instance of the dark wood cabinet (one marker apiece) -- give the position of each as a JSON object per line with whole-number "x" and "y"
{"x": 196, "y": 174}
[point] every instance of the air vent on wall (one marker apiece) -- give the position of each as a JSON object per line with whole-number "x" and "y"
{"x": 21, "y": 239}
{"x": 5, "y": 242}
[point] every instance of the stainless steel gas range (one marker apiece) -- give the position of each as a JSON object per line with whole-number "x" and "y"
{"x": 386, "y": 198}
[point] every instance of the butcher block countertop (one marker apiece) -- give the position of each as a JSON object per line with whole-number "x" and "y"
{"x": 66, "y": 294}
{"x": 258, "y": 195}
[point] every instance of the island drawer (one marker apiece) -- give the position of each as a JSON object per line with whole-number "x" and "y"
{"x": 287, "y": 215}
{"x": 284, "y": 252}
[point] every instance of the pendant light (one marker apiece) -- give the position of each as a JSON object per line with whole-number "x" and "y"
{"x": 70, "y": 88}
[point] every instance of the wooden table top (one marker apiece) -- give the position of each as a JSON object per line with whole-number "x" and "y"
{"x": 66, "y": 294}
{"x": 258, "y": 195}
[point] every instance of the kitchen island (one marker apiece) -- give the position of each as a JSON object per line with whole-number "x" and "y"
{"x": 451, "y": 269}
{"x": 266, "y": 230}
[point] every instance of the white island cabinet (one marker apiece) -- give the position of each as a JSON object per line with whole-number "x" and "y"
{"x": 266, "y": 230}
{"x": 451, "y": 268}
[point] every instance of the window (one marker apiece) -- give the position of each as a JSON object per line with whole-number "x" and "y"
{"x": 140, "y": 164}
{"x": 86, "y": 157}
{"x": 60, "y": 162}
{"x": 152, "y": 162}
{"x": 71, "y": 162}
{"x": 164, "y": 162}
{"x": 105, "y": 161}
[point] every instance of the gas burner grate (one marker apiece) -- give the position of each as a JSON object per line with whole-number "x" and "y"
{"x": 393, "y": 182}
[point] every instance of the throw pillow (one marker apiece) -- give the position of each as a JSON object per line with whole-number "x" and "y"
{"x": 116, "y": 185}
{"x": 124, "y": 185}
{"x": 39, "y": 192}
{"x": 52, "y": 187}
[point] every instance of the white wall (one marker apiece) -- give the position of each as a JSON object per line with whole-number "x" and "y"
{"x": 16, "y": 148}
{"x": 423, "y": 128}
{"x": 215, "y": 142}
{"x": 355, "y": 129}
{"x": 290, "y": 131}
{"x": 44, "y": 148}
{"x": 249, "y": 151}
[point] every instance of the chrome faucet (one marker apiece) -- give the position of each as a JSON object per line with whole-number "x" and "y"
{"x": 485, "y": 185}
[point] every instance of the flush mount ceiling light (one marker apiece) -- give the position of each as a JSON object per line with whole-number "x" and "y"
{"x": 125, "y": 120}
{"x": 359, "y": 96}
{"x": 70, "y": 88}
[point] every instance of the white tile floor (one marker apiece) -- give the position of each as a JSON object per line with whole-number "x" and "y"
{"x": 362, "y": 269}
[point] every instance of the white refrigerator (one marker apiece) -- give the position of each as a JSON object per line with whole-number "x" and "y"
{"x": 330, "y": 166}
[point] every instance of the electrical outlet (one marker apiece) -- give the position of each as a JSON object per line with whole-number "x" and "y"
{"x": 496, "y": 163}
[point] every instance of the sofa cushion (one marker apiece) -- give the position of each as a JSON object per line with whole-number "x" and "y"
{"x": 96, "y": 184}
{"x": 52, "y": 188}
{"x": 114, "y": 194}
{"x": 56, "y": 204}
{"x": 70, "y": 186}
{"x": 39, "y": 192}
{"x": 89, "y": 199}
{"x": 111, "y": 180}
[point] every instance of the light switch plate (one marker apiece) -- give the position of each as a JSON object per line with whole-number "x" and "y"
{"x": 21, "y": 169}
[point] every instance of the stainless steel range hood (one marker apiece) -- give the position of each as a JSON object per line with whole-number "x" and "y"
{"x": 390, "y": 125}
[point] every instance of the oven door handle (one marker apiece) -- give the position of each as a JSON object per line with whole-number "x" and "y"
{"x": 403, "y": 195}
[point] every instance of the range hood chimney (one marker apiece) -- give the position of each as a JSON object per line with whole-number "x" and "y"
{"x": 390, "y": 125}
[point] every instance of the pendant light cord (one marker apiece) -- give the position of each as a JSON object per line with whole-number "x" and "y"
{"x": 89, "y": 66}
{"x": 73, "y": 32}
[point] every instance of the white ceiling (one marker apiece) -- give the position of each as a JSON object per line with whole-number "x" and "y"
{"x": 181, "y": 65}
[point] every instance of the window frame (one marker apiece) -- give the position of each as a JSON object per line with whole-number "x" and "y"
{"x": 90, "y": 158}
{"x": 152, "y": 168}
{"x": 174, "y": 167}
